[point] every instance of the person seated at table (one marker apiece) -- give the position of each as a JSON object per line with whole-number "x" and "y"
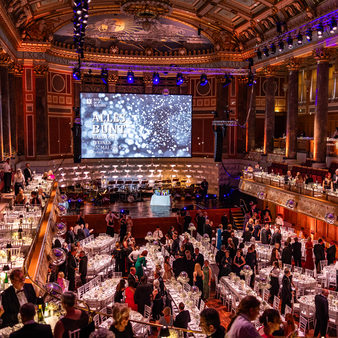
{"x": 87, "y": 231}
{"x": 299, "y": 179}
{"x": 241, "y": 323}
{"x": 308, "y": 179}
{"x": 183, "y": 318}
{"x": 20, "y": 198}
{"x": 157, "y": 234}
{"x": 289, "y": 327}
{"x": 30, "y": 327}
{"x": 61, "y": 281}
{"x": 226, "y": 265}
{"x": 238, "y": 262}
{"x": 271, "y": 320}
{"x": 15, "y": 296}
{"x": 35, "y": 200}
{"x": 74, "y": 318}
{"x": 327, "y": 182}
{"x": 274, "y": 281}
{"x": 121, "y": 326}
{"x": 288, "y": 177}
{"x": 120, "y": 288}
{"x": 210, "y": 323}
{"x": 279, "y": 220}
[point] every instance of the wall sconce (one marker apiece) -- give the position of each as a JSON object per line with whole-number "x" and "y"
{"x": 291, "y": 204}
{"x": 261, "y": 195}
{"x": 330, "y": 218}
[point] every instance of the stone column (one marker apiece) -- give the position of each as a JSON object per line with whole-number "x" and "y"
{"x": 269, "y": 87}
{"x": 76, "y": 92}
{"x": 5, "y": 106}
{"x": 112, "y": 81}
{"x": 41, "y": 110}
{"x": 19, "y": 116}
{"x": 321, "y": 105}
{"x": 251, "y": 123}
{"x": 292, "y": 109}
{"x": 242, "y": 110}
{"x": 13, "y": 96}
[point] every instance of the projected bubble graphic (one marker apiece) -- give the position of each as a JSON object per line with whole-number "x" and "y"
{"x": 135, "y": 125}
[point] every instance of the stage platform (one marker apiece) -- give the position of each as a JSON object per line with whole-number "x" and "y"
{"x": 145, "y": 218}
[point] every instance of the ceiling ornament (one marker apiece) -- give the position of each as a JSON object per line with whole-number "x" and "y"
{"x": 146, "y": 12}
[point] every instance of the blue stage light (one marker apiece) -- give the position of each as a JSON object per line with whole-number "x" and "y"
{"x": 179, "y": 79}
{"x": 203, "y": 80}
{"x": 77, "y": 73}
{"x": 130, "y": 77}
{"x": 156, "y": 78}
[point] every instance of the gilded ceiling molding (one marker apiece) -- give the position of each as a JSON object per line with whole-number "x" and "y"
{"x": 41, "y": 69}
{"x": 113, "y": 77}
{"x": 322, "y": 54}
{"x": 292, "y": 64}
{"x": 5, "y": 59}
{"x": 269, "y": 71}
{"x": 15, "y": 68}
{"x": 302, "y": 203}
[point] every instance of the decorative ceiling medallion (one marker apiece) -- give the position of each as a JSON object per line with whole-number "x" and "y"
{"x": 146, "y": 12}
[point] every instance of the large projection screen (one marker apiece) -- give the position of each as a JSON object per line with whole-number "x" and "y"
{"x": 135, "y": 125}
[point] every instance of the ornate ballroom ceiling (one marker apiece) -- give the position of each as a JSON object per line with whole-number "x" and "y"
{"x": 230, "y": 25}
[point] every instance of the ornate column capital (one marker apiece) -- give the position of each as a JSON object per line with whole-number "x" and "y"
{"x": 293, "y": 64}
{"x": 148, "y": 79}
{"x": 269, "y": 71}
{"x": 15, "y": 68}
{"x": 40, "y": 69}
{"x": 322, "y": 54}
{"x": 5, "y": 59}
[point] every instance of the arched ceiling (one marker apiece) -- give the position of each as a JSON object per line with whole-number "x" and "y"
{"x": 230, "y": 25}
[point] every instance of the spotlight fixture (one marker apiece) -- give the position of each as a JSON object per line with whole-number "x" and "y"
{"x": 251, "y": 79}
{"x": 280, "y": 45}
{"x": 299, "y": 39}
{"x": 156, "y": 78}
{"x": 179, "y": 79}
{"x": 289, "y": 41}
{"x": 333, "y": 25}
{"x": 80, "y": 20}
{"x": 130, "y": 77}
{"x": 77, "y": 73}
{"x": 308, "y": 34}
{"x": 273, "y": 48}
{"x": 227, "y": 80}
{"x": 104, "y": 75}
{"x": 203, "y": 80}
{"x": 320, "y": 30}
{"x": 266, "y": 51}
{"x": 259, "y": 54}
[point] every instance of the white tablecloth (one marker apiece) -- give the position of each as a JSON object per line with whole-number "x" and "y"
{"x": 160, "y": 200}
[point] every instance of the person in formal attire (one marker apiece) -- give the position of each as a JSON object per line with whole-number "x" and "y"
{"x": 168, "y": 271}
{"x": 121, "y": 326}
{"x": 189, "y": 265}
{"x": 187, "y": 221}
{"x": 74, "y": 318}
{"x": 279, "y": 220}
{"x": 132, "y": 277}
{"x": 234, "y": 239}
{"x": 204, "y": 188}
{"x": 61, "y": 280}
{"x": 322, "y": 313}
{"x": 251, "y": 260}
{"x": 335, "y": 180}
{"x": 238, "y": 262}
{"x": 157, "y": 234}
{"x": 120, "y": 289}
{"x": 226, "y": 265}
{"x": 175, "y": 246}
{"x": 130, "y": 293}
{"x": 70, "y": 236}
{"x": 319, "y": 252}
{"x": 276, "y": 237}
{"x": 200, "y": 220}
{"x": 247, "y": 234}
{"x": 198, "y": 257}
{"x": 83, "y": 263}
{"x": 297, "y": 252}
{"x": 210, "y": 323}
{"x": 274, "y": 281}
{"x": 198, "y": 277}
{"x": 20, "y": 198}
{"x": 219, "y": 236}
{"x": 140, "y": 263}
{"x": 80, "y": 219}
{"x": 87, "y": 231}
{"x": 117, "y": 254}
{"x": 166, "y": 320}
{"x": 110, "y": 223}
{"x": 271, "y": 320}
{"x": 288, "y": 177}
{"x": 30, "y": 328}
{"x": 123, "y": 227}
{"x": 18, "y": 294}
{"x": 80, "y": 233}
{"x": 27, "y": 172}
{"x": 327, "y": 182}
{"x": 224, "y": 219}
{"x": 71, "y": 268}
{"x": 157, "y": 300}
{"x": 286, "y": 292}
{"x": 183, "y": 318}
{"x": 266, "y": 234}
{"x": 257, "y": 230}
{"x": 18, "y": 181}
{"x": 207, "y": 274}
{"x": 220, "y": 256}
{"x": 309, "y": 264}
{"x": 241, "y": 324}
{"x": 35, "y": 200}
{"x": 143, "y": 294}
{"x": 331, "y": 253}
{"x": 226, "y": 233}
{"x": 7, "y": 170}
{"x": 287, "y": 254}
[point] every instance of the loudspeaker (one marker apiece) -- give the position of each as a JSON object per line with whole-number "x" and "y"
{"x": 219, "y": 133}
{"x": 77, "y": 142}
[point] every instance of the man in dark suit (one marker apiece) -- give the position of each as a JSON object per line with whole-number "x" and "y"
{"x": 178, "y": 266}
{"x": 224, "y": 219}
{"x": 276, "y": 237}
{"x": 200, "y": 220}
{"x": 71, "y": 267}
{"x": 331, "y": 253}
{"x": 234, "y": 238}
{"x": 80, "y": 233}
{"x": 175, "y": 246}
{"x": 70, "y": 236}
{"x": 266, "y": 234}
{"x": 286, "y": 292}
{"x": 322, "y": 313}
{"x": 319, "y": 252}
{"x": 83, "y": 267}
{"x": 287, "y": 254}
{"x": 297, "y": 252}
{"x": 132, "y": 277}
{"x": 189, "y": 266}
{"x": 15, "y": 296}
{"x": 183, "y": 318}
{"x": 225, "y": 235}
{"x": 27, "y": 172}
{"x": 31, "y": 328}
{"x": 142, "y": 295}
{"x": 198, "y": 257}
{"x": 220, "y": 255}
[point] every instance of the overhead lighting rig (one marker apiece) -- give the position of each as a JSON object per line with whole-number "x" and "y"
{"x": 80, "y": 21}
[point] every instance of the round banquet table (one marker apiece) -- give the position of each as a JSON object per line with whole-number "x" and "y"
{"x": 160, "y": 200}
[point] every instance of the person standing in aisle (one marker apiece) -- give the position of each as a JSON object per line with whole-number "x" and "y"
{"x": 7, "y": 176}
{"x": 71, "y": 268}
{"x": 83, "y": 263}
{"x": 322, "y": 313}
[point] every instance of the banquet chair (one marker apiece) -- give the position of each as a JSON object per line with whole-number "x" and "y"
{"x": 186, "y": 287}
{"x": 333, "y": 322}
{"x": 276, "y": 302}
{"x": 322, "y": 264}
{"x": 302, "y": 325}
{"x": 332, "y": 281}
{"x": 298, "y": 269}
{"x": 74, "y": 334}
{"x": 287, "y": 309}
{"x": 97, "y": 320}
{"x": 307, "y": 313}
{"x": 234, "y": 303}
{"x": 147, "y": 312}
{"x": 266, "y": 295}
{"x": 289, "y": 266}
{"x": 309, "y": 272}
{"x": 202, "y": 305}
